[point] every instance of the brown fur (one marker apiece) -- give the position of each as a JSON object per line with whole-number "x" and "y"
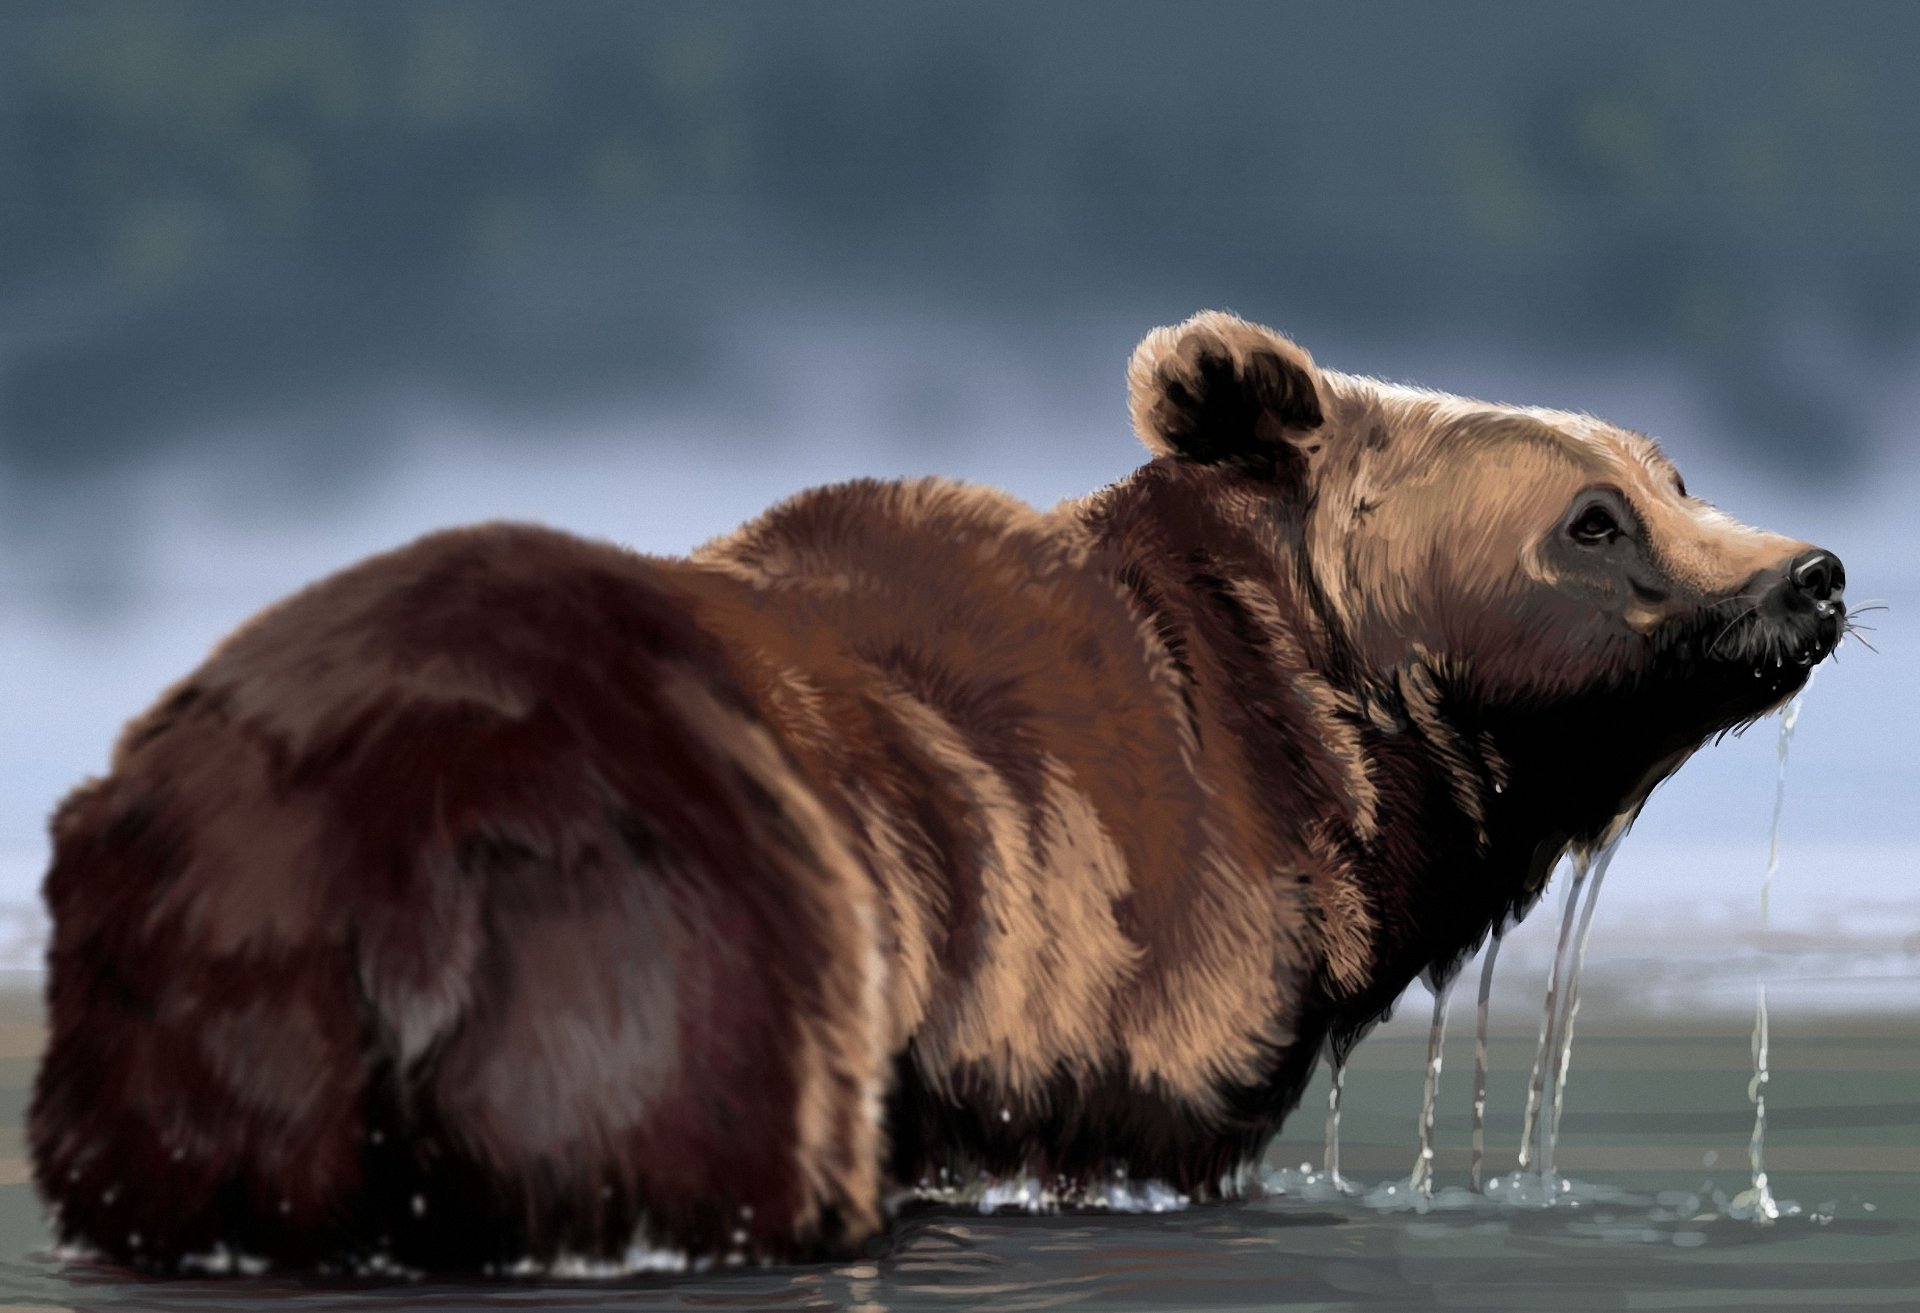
{"x": 512, "y": 895}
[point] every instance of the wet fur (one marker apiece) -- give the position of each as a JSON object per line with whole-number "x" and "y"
{"x": 512, "y": 895}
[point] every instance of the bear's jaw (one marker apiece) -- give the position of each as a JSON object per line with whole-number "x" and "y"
{"x": 1580, "y": 772}
{"x": 1733, "y": 663}
{"x": 1578, "y": 761}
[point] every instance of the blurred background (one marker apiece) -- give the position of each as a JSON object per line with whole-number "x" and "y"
{"x": 281, "y": 285}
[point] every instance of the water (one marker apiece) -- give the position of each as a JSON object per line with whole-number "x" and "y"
{"x": 1758, "y": 1197}
{"x": 1642, "y": 1222}
{"x": 1422, "y": 1178}
{"x": 1550, "y": 1012}
{"x": 1570, "y": 1002}
{"x": 1330, "y": 1154}
{"x": 1476, "y": 1174}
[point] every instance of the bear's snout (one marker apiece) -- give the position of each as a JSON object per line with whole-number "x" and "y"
{"x": 1808, "y": 594}
{"x": 1816, "y": 578}
{"x": 1800, "y": 612}
{"x": 1814, "y": 586}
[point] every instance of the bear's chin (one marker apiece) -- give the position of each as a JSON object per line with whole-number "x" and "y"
{"x": 1736, "y": 669}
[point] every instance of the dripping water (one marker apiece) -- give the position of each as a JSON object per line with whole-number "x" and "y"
{"x": 1422, "y": 1179}
{"x": 1570, "y": 1003}
{"x": 1480, "y": 1063}
{"x": 1536, "y": 1082}
{"x": 1758, "y": 1200}
{"x": 1330, "y": 1157}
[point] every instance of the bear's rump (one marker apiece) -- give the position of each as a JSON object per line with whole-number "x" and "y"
{"x": 460, "y": 983}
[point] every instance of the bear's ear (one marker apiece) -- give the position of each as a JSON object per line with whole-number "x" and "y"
{"x": 1220, "y": 390}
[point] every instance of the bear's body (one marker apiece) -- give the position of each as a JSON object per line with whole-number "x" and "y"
{"x": 512, "y": 895}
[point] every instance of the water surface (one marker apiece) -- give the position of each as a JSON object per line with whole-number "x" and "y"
{"x": 1656, "y": 1122}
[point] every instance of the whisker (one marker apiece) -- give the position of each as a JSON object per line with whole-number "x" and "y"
{"x": 1713, "y": 648}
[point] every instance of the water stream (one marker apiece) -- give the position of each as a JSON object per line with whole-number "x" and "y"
{"x": 1536, "y": 1082}
{"x": 1570, "y": 1001}
{"x": 1757, "y": 1200}
{"x": 1476, "y": 1175}
{"x": 1422, "y": 1179}
{"x": 1535, "y": 1184}
{"x": 1330, "y": 1157}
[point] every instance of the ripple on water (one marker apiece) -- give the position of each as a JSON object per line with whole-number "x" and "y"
{"x": 1583, "y": 1208}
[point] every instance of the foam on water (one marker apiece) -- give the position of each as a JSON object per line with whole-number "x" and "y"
{"x": 1665, "y": 1216}
{"x": 636, "y": 1260}
{"x": 1031, "y": 1194}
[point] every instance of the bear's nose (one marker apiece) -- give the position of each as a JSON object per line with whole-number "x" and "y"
{"x": 1818, "y": 575}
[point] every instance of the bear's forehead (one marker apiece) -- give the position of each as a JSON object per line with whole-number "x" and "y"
{"x": 1589, "y": 442}
{"x": 1599, "y": 440}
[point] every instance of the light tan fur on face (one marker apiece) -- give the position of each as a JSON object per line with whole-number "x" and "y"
{"x": 1435, "y": 526}
{"x": 1705, "y": 552}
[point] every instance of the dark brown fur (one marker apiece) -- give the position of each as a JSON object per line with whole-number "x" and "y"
{"x": 512, "y": 895}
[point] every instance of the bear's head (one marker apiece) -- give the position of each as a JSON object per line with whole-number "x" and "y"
{"x": 1539, "y": 584}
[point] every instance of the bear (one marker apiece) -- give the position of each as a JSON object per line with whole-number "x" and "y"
{"x": 512, "y": 897}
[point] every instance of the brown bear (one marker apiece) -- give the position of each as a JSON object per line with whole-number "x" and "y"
{"x": 512, "y": 896}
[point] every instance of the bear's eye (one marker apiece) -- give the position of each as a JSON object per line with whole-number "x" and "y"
{"x": 1680, "y": 486}
{"x": 1595, "y": 526}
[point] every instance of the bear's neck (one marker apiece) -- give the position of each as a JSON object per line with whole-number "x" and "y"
{"x": 1211, "y": 563}
{"x": 1491, "y": 798}
{"x": 1457, "y": 815}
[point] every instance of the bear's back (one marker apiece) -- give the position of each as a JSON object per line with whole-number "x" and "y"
{"x": 933, "y": 640}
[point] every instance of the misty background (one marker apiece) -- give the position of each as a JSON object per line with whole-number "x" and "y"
{"x": 284, "y": 285}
